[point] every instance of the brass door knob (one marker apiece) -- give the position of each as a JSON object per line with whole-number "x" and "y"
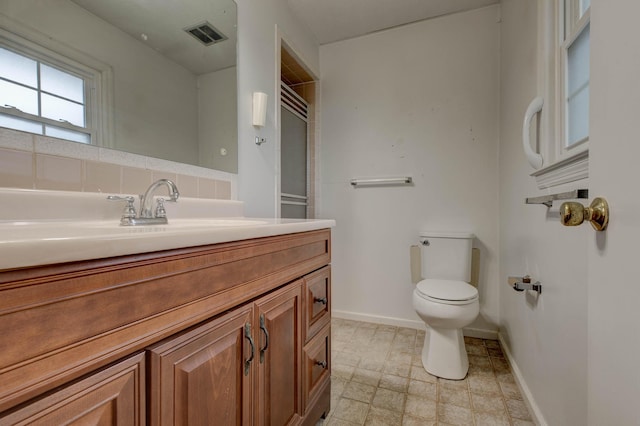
{"x": 573, "y": 214}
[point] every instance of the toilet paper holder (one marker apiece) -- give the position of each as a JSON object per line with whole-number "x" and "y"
{"x": 524, "y": 283}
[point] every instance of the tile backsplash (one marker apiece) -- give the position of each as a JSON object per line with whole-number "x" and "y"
{"x": 40, "y": 162}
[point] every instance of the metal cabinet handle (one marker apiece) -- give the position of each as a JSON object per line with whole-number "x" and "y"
{"x": 322, "y": 300}
{"x": 247, "y": 335}
{"x": 322, "y": 364}
{"x": 266, "y": 338}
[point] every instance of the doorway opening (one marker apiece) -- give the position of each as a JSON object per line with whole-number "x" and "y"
{"x": 297, "y": 137}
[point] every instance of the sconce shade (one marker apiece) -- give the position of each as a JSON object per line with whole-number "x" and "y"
{"x": 259, "y": 108}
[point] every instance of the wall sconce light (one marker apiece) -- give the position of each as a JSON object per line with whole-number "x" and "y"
{"x": 259, "y": 109}
{"x": 259, "y": 113}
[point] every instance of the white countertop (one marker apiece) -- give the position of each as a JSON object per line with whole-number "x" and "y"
{"x": 38, "y": 240}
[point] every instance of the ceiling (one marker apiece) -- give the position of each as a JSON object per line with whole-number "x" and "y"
{"x": 334, "y": 20}
{"x": 163, "y": 23}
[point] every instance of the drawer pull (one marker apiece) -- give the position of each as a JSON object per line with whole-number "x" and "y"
{"x": 266, "y": 338}
{"x": 247, "y": 334}
{"x": 322, "y": 364}
{"x": 322, "y": 300}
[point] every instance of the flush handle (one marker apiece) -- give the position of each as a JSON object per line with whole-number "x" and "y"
{"x": 573, "y": 214}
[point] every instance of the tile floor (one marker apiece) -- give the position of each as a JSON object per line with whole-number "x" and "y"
{"x": 378, "y": 379}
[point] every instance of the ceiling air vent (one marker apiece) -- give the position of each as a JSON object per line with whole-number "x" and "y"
{"x": 206, "y": 33}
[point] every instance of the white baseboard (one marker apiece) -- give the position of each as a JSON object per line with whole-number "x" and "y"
{"x": 538, "y": 418}
{"x": 415, "y": 324}
{"x": 377, "y": 319}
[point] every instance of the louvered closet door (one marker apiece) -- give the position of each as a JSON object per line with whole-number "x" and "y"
{"x": 293, "y": 155}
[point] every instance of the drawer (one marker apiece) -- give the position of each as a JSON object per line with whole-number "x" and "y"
{"x": 317, "y": 301}
{"x": 316, "y": 366}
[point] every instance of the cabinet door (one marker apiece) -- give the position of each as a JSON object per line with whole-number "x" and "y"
{"x": 278, "y": 317}
{"x": 113, "y": 396}
{"x": 204, "y": 376}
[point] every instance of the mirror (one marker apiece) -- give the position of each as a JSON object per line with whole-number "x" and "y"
{"x": 165, "y": 84}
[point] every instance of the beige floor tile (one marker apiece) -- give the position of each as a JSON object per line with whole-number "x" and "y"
{"x": 510, "y": 391}
{"x": 352, "y": 411}
{"x": 389, "y": 400}
{"x": 378, "y": 379}
{"x": 484, "y": 386}
{"x": 419, "y": 373}
{"x": 454, "y": 415}
{"x": 408, "y": 420}
{"x": 366, "y": 376}
{"x": 359, "y": 392}
{"x": 487, "y": 403}
{"x": 423, "y": 389}
{"x": 401, "y": 370}
{"x": 381, "y": 417}
{"x": 333, "y": 421}
{"x": 344, "y": 358}
{"x": 500, "y": 364}
{"x": 342, "y": 371}
{"x": 491, "y": 419}
{"x": 394, "y": 383}
{"x": 459, "y": 397}
{"x": 371, "y": 364}
{"x": 517, "y": 409}
{"x": 477, "y": 350}
{"x": 421, "y": 407}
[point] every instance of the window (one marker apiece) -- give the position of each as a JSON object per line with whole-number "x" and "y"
{"x": 48, "y": 89}
{"x": 575, "y": 62}
{"x": 564, "y": 56}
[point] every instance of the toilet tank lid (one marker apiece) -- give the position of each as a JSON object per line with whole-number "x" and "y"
{"x": 447, "y": 289}
{"x": 447, "y": 234}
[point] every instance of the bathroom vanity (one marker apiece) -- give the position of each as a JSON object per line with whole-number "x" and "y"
{"x": 233, "y": 332}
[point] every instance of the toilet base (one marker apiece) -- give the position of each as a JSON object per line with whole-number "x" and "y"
{"x": 444, "y": 354}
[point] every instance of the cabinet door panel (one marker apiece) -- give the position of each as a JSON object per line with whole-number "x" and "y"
{"x": 317, "y": 295}
{"x": 317, "y": 364}
{"x": 279, "y": 380}
{"x": 198, "y": 378}
{"x": 113, "y": 396}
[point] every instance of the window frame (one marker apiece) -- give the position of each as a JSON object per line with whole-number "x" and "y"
{"x": 562, "y": 164}
{"x": 97, "y": 77}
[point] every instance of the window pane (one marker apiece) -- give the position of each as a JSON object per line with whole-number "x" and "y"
{"x": 59, "y": 109}
{"x": 578, "y": 112}
{"x": 584, "y": 5}
{"x": 67, "y": 134}
{"x": 20, "y": 124}
{"x": 61, "y": 83}
{"x": 18, "y": 68}
{"x": 578, "y": 62}
{"x": 23, "y": 98}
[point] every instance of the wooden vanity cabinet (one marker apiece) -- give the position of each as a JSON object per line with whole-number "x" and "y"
{"x": 228, "y": 334}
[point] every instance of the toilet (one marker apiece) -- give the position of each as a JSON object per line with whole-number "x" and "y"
{"x": 446, "y": 301}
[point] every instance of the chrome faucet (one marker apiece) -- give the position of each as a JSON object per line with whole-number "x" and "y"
{"x": 147, "y": 216}
{"x": 147, "y": 199}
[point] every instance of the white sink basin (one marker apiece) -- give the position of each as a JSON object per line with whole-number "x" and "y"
{"x": 45, "y": 227}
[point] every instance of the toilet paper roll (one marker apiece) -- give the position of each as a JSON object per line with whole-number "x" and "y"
{"x": 416, "y": 264}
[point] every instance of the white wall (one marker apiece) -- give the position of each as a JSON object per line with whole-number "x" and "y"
{"x": 260, "y": 22}
{"x": 155, "y": 99}
{"x": 613, "y": 290}
{"x": 547, "y": 336}
{"x": 217, "y": 123}
{"x": 419, "y": 100}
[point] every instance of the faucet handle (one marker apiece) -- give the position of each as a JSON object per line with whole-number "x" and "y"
{"x": 129, "y": 210}
{"x": 160, "y": 211}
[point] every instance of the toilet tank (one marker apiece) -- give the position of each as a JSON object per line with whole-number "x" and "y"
{"x": 446, "y": 255}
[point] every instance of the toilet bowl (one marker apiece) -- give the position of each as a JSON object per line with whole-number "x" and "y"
{"x": 446, "y": 307}
{"x": 445, "y": 301}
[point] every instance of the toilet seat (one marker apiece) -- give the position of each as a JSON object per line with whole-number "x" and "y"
{"x": 447, "y": 291}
